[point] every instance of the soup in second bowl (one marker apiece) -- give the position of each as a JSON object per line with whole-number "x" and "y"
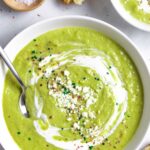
{"x": 140, "y": 9}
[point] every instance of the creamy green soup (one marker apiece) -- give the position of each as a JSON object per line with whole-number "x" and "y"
{"x": 140, "y": 9}
{"x": 84, "y": 93}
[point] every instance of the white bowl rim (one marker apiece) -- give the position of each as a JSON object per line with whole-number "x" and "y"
{"x": 129, "y": 18}
{"x": 138, "y": 137}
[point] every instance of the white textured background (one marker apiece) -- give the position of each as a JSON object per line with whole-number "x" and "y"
{"x": 11, "y": 23}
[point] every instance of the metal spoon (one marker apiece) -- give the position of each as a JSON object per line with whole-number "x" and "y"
{"x": 22, "y": 100}
{"x": 21, "y": 6}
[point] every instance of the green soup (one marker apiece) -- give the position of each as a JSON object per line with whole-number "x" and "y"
{"x": 84, "y": 92}
{"x": 140, "y": 9}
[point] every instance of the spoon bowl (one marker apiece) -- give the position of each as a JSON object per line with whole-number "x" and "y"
{"x": 22, "y": 6}
{"x": 22, "y": 104}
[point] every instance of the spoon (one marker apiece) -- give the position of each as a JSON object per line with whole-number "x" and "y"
{"x": 22, "y": 99}
{"x": 22, "y": 6}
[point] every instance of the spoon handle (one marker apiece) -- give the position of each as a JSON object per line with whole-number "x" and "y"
{"x": 11, "y": 67}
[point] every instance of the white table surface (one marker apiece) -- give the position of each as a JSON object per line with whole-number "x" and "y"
{"x": 11, "y": 23}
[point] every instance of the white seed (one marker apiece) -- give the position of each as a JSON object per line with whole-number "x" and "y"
{"x": 54, "y": 85}
{"x": 72, "y": 106}
{"x": 92, "y": 115}
{"x": 79, "y": 88}
{"x": 50, "y": 92}
{"x": 58, "y": 79}
{"x": 69, "y": 119}
{"x": 89, "y": 102}
{"x": 66, "y": 73}
{"x": 76, "y": 126}
{"x": 85, "y": 89}
{"x": 69, "y": 82}
{"x": 85, "y": 114}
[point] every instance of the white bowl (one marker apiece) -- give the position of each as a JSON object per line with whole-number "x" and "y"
{"x": 28, "y": 34}
{"x": 129, "y": 18}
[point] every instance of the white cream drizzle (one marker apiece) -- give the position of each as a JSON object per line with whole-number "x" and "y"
{"x": 144, "y": 5}
{"x": 115, "y": 84}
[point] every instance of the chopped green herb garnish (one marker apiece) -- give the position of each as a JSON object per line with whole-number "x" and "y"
{"x": 34, "y": 57}
{"x": 50, "y": 117}
{"x": 84, "y": 78}
{"x": 58, "y": 83}
{"x": 40, "y": 59}
{"x": 96, "y": 78}
{"x": 84, "y": 138}
{"x": 18, "y": 133}
{"x": 29, "y": 139}
{"x": 49, "y": 48}
{"x": 74, "y": 85}
{"x": 34, "y": 40}
{"x": 90, "y": 147}
{"x": 66, "y": 91}
{"x": 80, "y": 117}
{"x": 33, "y": 52}
{"x": 29, "y": 71}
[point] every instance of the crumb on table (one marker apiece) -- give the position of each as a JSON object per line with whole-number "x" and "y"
{"x": 79, "y": 2}
{"x": 147, "y": 147}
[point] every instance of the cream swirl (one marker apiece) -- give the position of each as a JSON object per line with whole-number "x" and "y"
{"x": 110, "y": 79}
